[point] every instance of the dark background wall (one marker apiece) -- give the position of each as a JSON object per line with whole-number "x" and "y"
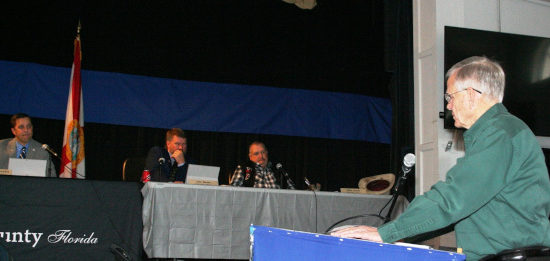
{"x": 337, "y": 46}
{"x": 333, "y": 163}
{"x": 359, "y": 47}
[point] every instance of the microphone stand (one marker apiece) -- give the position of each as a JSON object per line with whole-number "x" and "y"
{"x": 398, "y": 185}
{"x": 159, "y": 166}
{"x": 50, "y": 154}
{"x": 281, "y": 183}
{"x": 290, "y": 184}
{"x": 408, "y": 163}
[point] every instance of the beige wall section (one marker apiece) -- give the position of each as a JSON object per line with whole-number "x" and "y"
{"x": 427, "y": 139}
{"x": 529, "y": 17}
{"x": 424, "y": 38}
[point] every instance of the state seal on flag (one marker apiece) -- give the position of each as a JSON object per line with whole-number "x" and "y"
{"x": 76, "y": 142}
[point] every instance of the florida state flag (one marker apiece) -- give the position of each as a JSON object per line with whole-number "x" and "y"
{"x": 72, "y": 156}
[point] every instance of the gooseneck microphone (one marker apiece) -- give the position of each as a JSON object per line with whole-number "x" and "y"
{"x": 307, "y": 181}
{"x": 161, "y": 160}
{"x": 48, "y": 149}
{"x": 289, "y": 182}
{"x": 312, "y": 188}
{"x": 408, "y": 162}
{"x": 309, "y": 185}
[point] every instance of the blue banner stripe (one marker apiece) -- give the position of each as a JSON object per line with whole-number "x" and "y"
{"x": 123, "y": 99}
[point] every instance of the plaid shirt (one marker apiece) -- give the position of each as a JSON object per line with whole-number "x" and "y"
{"x": 264, "y": 177}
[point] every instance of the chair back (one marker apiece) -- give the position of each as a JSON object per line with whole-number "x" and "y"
{"x": 531, "y": 253}
{"x": 132, "y": 168}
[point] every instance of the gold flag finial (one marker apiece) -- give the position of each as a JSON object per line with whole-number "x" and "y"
{"x": 78, "y": 27}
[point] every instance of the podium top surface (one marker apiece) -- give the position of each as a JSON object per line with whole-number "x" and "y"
{"x": 267, "y": 243}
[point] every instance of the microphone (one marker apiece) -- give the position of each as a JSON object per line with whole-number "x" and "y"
{"x": 309, "y": 185}
{"x": 161, "y": 160}
{"x": 307, "y": 181}
{"x": 289, "y": 182}
{"x": 48, "y": 149}
{"x": 408, "y": 162}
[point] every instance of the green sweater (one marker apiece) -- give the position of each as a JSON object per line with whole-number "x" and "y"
{"x": 497, "y": 195}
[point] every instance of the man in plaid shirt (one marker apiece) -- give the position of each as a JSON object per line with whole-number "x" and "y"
{"x": 259, "y": 176}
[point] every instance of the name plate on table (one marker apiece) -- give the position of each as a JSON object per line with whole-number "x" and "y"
{"x": 202, "y": 175}
{"x": 353, "y": 190}
{"x": 5, "y": 171}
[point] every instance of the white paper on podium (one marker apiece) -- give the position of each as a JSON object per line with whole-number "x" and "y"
{"x": 201, "y": 174}
{"x": 28, "y": 167}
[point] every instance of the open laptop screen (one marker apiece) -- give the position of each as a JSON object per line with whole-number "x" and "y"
{"x": 28, "y": 167}
{"x": 201, "y": 174}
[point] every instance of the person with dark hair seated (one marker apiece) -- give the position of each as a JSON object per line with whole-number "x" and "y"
{"x": 23, "y": 146}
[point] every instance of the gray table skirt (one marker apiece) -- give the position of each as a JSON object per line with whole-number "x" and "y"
{"x": 196, "y": 221}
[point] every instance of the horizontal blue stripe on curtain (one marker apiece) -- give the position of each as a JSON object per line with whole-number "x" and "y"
{"x": 123, "y": 99}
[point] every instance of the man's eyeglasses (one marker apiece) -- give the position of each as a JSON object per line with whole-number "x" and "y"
{"x": 449, "y": 96}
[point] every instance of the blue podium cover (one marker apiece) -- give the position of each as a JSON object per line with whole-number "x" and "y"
{"x": 269, "y": 243}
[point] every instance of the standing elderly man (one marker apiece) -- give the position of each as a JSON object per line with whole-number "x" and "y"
{"x": 498, "y": 194}
{"x": 22, "y": 145}
{"x": 260, "y": 173}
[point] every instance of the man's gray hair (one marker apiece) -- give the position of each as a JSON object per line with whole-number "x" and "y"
{"x": 480, "y": 73}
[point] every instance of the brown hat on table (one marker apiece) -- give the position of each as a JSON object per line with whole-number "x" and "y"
{"x": 378, "y": 184}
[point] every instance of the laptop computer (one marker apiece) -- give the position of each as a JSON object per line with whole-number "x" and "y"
{"x": 202, "y": 174}
{"x": 27, "y": 167}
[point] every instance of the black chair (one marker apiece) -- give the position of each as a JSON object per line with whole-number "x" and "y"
{"x": 532, "y": 253}
{"x": 132, "y": 168}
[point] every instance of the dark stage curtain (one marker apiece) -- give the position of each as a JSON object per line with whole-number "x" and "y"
{"x": 399, "y": 61}
{"x": 338, "y": 46}
{"x": 332, "y": 163}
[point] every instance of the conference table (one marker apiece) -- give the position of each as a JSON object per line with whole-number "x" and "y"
{"x": 198, "y": 221}
{"x": 69, "y": 219}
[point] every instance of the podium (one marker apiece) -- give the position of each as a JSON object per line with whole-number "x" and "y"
{"x": 269, "y": 243}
